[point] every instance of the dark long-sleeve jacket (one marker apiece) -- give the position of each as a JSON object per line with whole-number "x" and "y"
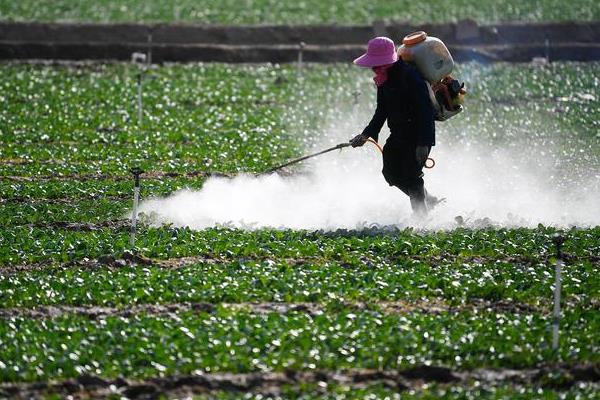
{"x": 403, "y": 100}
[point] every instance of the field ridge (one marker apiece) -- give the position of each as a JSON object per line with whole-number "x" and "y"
{"x": 549, "y": 375}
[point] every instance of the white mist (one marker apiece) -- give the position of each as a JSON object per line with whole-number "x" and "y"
{"x": 345, "y": 189}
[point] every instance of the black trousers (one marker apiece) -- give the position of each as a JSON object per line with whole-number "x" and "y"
{"x": 400, "y": 167}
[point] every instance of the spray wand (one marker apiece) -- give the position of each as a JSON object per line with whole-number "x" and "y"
{"x": 336, "y": 147}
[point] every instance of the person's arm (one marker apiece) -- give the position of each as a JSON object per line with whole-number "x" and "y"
{"x": 423, "y": 113}
{"x": 372, "y": 130}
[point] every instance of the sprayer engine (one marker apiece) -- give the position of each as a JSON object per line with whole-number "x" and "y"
{"x": 447, "y": 97}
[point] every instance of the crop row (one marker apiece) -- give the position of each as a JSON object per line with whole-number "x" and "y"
{"x": 142, "y": 346}
{"x": 290, "y": 12}
{"x": 359, "y": 279}
{"x": 82, "y": 190}
{"x": 82, "y": 211}
{"x": 30, "y": 245}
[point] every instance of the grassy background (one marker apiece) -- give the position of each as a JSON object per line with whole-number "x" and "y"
{"x": 297, "y": 12}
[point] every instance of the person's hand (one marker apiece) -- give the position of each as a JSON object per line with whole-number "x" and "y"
{"x": 358, "y": 140}
{"x": 421, "y": 154}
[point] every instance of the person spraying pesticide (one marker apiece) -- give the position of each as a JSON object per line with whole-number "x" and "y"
{"x": 410, "y": 104}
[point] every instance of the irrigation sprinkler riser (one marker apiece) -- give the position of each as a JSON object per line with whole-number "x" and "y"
{"x": 149, "y": 48}
{"x": 300, "y": 57}
{"x": 139, "y": 98}
{"x": 136, "y": 199}
{"x": 558, "y": 242}
{"x": 556, "y": 317}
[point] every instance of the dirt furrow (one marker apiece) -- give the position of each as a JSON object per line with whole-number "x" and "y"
{"x": 95, "y": 312}
{"x": 273, "y": 382}
{"x": 128, "y": 258}
{"x": 116, "y": 224}
{"x": 88, "y": 177}
{"x": 423, "y": 305}
{"x": 23, "y": 161}
{"x": 63, "y": 200}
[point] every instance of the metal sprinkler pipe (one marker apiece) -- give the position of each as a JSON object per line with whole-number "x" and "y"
{"x": 558, "y": 242}
{"x": 150, "y": 48}
{"x": 139, "y": 58}
{"x": 301, "y": 46}
{"x": 139, "y": 96}
{"x": 136, "y": 172}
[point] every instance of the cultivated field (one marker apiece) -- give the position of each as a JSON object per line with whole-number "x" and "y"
{"x": 431, "y": 313}
{"x": 298, "y": 12}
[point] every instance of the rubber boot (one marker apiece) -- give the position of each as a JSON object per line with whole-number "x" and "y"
{"x": 417, "y": 200}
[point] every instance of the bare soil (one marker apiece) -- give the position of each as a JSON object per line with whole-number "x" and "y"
{"x": 87, "y": 386}
{"x": 114, "y": 224}
{"x": 89, "y": 177}
{"x": 128, "y": 258}
{"x": 61, "y": 200}
{"x": 424, "y": 305}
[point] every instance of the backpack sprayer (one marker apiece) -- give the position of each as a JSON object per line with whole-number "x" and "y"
{"x": 433, "y": 60}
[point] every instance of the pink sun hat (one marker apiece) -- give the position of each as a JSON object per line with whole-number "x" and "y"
{"x": 380, "y": 51}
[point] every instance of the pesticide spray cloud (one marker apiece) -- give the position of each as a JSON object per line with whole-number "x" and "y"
{"x": 347, "y": 190}
{"x": 484, "y": 183}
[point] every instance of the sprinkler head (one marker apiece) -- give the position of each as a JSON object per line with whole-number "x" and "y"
{"x": 136, "y": 172}
{"x": 558, "y": 241}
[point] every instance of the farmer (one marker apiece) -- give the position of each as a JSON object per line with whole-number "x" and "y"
{"x": 403, "y": 100}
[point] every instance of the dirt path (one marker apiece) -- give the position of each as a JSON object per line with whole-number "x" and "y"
{"x": 424, "y": 305}
{"x": 131, "y": 259}
{"x": 64, "y": 200}
{"x": 128, "y": 258}
{"x": 114, "y": 224}
{"x": 88, "y": 177}
{"x": 273, "y": 382}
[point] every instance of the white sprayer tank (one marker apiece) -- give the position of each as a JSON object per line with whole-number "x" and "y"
{"x": 429, "y": 54}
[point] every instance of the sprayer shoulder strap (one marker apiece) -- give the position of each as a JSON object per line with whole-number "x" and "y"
{"x": 436, "y": 105}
